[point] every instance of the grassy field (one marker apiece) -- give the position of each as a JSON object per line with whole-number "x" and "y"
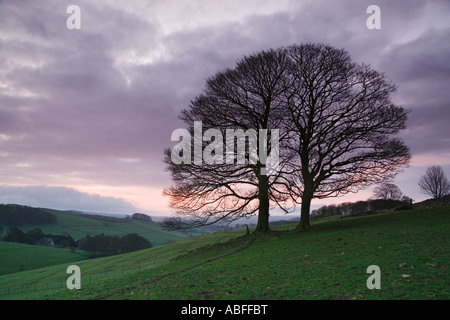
{"x": 78, "y": 226}
{"x": 329, "y": 262}
{"x": 17, "y": 257}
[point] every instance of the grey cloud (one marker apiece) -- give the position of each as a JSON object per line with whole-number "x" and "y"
{"x": 62, "y": 198}
{"x": 420, "y": 69}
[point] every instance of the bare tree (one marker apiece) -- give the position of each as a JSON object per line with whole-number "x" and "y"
{"x": 387, "y": 191}
{"x": 337, "y": 126}
{"x": 434, "y": 182}
{"x": 247, "y": 101}
{"x": 342, "y": 124}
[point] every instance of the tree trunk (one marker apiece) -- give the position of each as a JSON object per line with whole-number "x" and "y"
{"x": 304, "y": 214}
{"x": 263, "y": 214}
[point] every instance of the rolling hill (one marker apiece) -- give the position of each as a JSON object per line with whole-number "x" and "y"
{"x": 79, "y": 225}
{"x": 327, "y": 262}
{"x": 17, "y": 257}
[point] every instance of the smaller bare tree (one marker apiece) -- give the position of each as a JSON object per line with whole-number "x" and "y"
{"x": 387, "y": 191}
{"x": 434, "y": 182}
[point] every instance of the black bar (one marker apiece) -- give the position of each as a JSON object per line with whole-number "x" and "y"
{"x": 239, "y": 309}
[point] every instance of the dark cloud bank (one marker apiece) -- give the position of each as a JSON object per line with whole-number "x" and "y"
{"x": 62, "y": 198}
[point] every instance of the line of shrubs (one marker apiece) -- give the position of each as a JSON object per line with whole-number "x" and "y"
{"x": 98, "y": 245}
{"x": 110, "y": 245}
{"x": 359, "y": 208}
{"x": 37, "y": 237}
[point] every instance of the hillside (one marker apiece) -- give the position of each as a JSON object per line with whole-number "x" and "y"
{"x": 328, "y": 262}
{"x": 79, "y": 225}
{"x": 12, "y": 257}
{"x": 431, "y": 203}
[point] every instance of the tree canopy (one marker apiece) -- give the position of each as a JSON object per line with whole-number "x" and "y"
{"x": 388, "y": 191}
{"x": 331, "y": 123}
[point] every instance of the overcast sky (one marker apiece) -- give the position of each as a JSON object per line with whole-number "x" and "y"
{"x": 85, "y": 114}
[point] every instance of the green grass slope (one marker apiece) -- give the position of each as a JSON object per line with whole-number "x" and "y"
{"x": 78, "y": 226}
{"x": 39, "y": 283}
{"x": 328, "y": 262}
{"x": 16, "y": 257}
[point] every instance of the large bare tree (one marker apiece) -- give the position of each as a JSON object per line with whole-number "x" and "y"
{"x": 245, "y": 103}
{"x": 434, "y": 182}
{"x": 342, "y": 125}
{"x": 337, "y": 134}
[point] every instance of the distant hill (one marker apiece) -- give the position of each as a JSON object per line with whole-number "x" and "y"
{"x": 79, "y": 225}
{"x": 104, "y": 218}
{"x": 16, "y": 215}
{"x": 329, "y": 262}
{"x": 431, "y": 203}
{"x": 141, "y": 216}
{"x": 12, "y": 257}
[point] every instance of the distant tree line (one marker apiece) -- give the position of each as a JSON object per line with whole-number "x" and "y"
{"x": 361, "y": 207}
{"x": 97, "y": 245}
{"x": 141, "y": 216}
{"x": 36, "y": 236}
{"x": 16, "y": 215}
{"x": 103, "y": 218}
{"x": 134, "y": 216}
{"x": 109, "y": 245}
